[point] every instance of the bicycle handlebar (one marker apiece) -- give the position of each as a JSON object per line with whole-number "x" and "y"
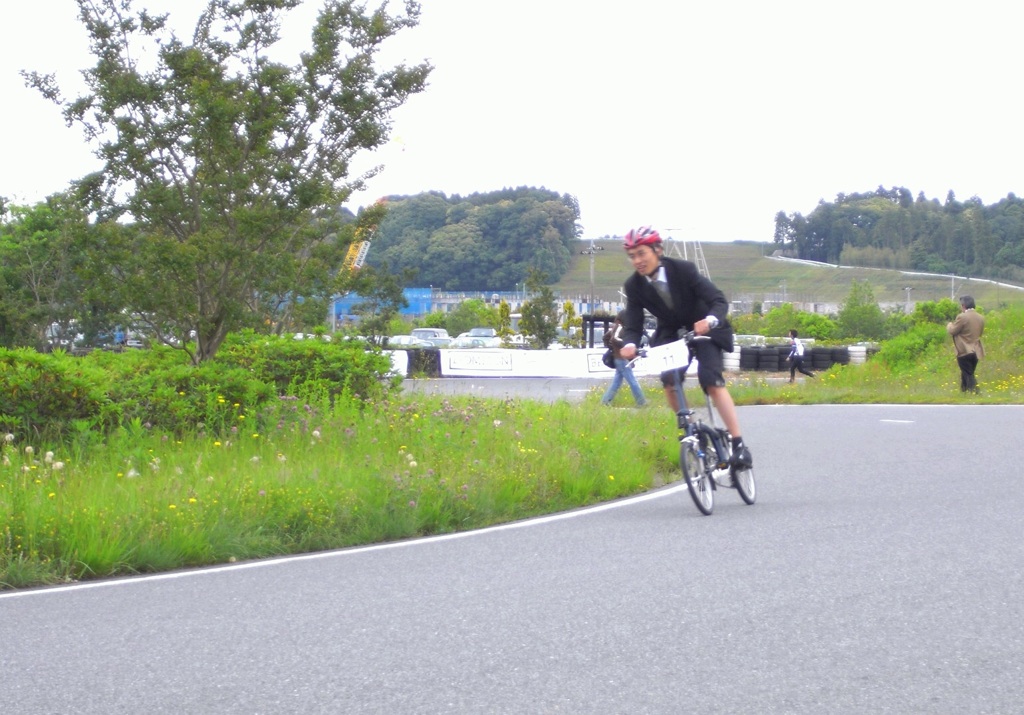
{"x": 691, "y": 337}
{"x": 687, "y": 337}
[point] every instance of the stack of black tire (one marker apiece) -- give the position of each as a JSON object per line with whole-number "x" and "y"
{"x": 748, "y": 357}
{"x": 772, "y": 358}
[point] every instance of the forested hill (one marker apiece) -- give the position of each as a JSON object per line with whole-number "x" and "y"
{"x": 487, "y": 241}
{"x": 888, "y": 228}
{"x": 490, "y": 241}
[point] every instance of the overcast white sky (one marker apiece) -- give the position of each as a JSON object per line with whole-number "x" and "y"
{"x": 702, "y": 119}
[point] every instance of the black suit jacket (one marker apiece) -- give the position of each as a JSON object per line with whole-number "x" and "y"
{"x": 694, "y": 297}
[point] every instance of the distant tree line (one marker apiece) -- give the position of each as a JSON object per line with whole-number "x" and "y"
{"x": 485, "y": 241}
{"x": 859, "y": 318}
{"x": 889, "y": 228}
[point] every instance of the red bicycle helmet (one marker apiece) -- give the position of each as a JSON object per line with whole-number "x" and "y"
{"x": 643, "y": 236}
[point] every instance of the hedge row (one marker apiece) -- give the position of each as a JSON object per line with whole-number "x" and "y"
{"x": 57, "y": 394}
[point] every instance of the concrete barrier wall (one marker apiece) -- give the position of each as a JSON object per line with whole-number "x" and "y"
{"x": 586, "y": 362}
{"x": 568, "y": 362}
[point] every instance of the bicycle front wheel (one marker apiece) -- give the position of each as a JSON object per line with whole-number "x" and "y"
{"x": 697, "y": 480}
{"x": 744, "y": 481}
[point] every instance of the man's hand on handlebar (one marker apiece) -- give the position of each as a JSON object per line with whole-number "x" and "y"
{"x": 702, "y": 327}
{"x": 628, "y": 351}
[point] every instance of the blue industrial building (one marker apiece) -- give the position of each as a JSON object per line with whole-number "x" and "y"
{"x": 418, "y": 299}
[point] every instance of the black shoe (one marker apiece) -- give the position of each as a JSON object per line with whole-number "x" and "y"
{"x": 741, "y": 458}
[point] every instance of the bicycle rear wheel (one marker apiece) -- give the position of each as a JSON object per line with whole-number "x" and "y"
{"x": 697, "y": 480}
{"x": 745, "y": 485}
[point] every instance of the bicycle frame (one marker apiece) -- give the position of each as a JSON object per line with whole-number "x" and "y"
{"x": 692, "y": 427}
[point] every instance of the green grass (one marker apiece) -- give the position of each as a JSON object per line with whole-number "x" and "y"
{"x": 745, "y": 270}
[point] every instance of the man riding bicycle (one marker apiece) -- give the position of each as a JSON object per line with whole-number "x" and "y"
{"x": 681, "y": 299}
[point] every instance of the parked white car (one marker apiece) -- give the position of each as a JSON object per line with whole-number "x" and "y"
{"x": 438, "y": 337}
{"x": 466, "y": 341}
{"x": 480, "y": 333}
{"x": 408, "y": 341}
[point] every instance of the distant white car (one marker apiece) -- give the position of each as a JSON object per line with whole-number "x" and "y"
{"x": 438, "y": 337}
{"x": 408, "y": 341}
{"x": 479, "y": 333}
{"x": 483, "y": 333}
{"x": 463, "y": 342}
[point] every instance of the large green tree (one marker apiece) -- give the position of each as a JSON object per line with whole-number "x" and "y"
{"x": 229, "y": 163}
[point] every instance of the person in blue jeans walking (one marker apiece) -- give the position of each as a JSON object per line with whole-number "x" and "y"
{"x": 613, "y": 341}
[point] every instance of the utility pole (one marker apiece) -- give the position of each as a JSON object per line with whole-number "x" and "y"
{"x": 590, "y": 252}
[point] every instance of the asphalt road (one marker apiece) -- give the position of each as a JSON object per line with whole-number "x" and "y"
{"x": 572, "y": 389}
{"x": 879, "y": 572}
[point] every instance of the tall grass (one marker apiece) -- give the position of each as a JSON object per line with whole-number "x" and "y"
{"x": 344, "y": 475}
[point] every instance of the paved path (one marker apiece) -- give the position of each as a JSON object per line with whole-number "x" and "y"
{"x": 881, "y": 571}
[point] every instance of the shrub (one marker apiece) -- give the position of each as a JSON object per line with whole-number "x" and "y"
{"x": 905, "y": 351}
{"x": 159, "y": 388}
{"x": 317, "y": 366}
{"x": 43, "y": 394}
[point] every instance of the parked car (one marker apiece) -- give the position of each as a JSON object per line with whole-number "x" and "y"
{"x": 438, "y": 337}
{"x": 408, "y": 341}
{"x": 466, "y": 341}
{"x": 481, "y": 333}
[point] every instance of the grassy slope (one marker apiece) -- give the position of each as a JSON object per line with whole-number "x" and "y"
{"x": 742, "y": 271}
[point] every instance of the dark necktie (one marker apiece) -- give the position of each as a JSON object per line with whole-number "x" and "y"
{"x": 663, "y": 291}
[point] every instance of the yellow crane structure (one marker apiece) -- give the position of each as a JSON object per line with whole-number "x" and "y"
{"x": 356, "y": 255}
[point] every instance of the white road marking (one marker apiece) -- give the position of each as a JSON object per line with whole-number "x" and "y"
{"x": 536, "y": 521}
